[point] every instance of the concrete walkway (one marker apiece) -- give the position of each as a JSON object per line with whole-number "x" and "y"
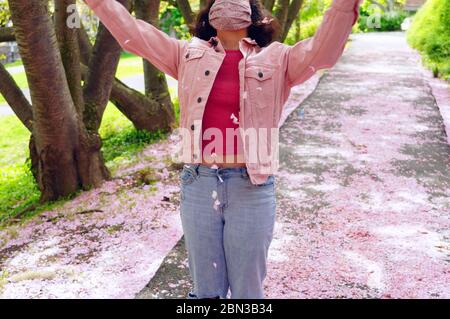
{"x": 364, "y": 190}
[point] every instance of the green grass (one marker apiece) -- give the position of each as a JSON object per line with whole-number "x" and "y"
{"x": 121, "y": 140}
{"x": 17, "y": 186}
{"x": 18, "y": 189}
{"x": 430, "y": 35}
{"x": 15, "y": 63}
{"x": 129, "y": 65}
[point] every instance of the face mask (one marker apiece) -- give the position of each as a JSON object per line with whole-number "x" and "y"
{"x": 230, "y": 14}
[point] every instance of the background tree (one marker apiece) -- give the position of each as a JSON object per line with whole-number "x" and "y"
{"x": 65, "y": 112}
{"x": 64, "y": 155}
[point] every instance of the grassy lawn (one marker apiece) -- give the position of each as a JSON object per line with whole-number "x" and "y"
{"x": 129, "y": 65}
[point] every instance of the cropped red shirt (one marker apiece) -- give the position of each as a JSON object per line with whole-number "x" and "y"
{"x": 222, "y": 108}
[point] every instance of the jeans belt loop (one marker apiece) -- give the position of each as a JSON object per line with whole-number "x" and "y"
{"x": 218, "y": 175}
{"x": 244, "y": 173}
{"x": 196, "y": 166}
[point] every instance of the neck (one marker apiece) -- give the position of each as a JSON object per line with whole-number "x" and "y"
{"x": 230, "y": 39}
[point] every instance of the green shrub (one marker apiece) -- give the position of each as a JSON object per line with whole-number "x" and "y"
{"x": 391, "y": 21}
{"x": 430, "y": 34}
{"x": 309, "y": 28}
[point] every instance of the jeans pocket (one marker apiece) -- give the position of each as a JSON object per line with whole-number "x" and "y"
{"x": 186, "y": 176}
{"x": 269, "y": 182}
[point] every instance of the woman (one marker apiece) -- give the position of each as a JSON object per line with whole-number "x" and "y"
{"x": 233, "y": 81}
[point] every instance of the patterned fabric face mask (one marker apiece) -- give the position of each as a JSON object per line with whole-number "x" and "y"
{"x": 230, "y": 14}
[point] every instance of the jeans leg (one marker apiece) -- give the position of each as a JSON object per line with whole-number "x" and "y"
{"x": 249, "y": 222}
{"x": 203, "y": 232}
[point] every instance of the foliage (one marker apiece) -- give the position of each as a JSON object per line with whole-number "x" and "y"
{"x": 313, "y": 8}
{"x": 4, "y": 13}
{"x": 430, "y": 34}
{"x": 172, "y": 22}
{"x": 388, "y": 21}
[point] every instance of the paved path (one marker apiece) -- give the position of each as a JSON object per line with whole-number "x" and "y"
{"x": 364, "y": 190}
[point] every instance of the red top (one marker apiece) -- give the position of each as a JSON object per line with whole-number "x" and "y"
{"x": 222, "y": 107}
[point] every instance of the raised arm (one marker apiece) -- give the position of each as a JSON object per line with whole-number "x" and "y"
{"x": 324, "y": 49}
{"x": 139, "y": 37}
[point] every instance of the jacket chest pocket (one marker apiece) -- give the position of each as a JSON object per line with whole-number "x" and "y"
{"x": 261, "y": 86}
{"x": 191, "y": 61}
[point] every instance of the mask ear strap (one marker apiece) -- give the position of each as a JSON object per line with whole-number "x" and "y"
{"x": 266, "y": 20}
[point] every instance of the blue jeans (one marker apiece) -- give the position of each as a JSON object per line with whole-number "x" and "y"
{"x": 228, "y": 226}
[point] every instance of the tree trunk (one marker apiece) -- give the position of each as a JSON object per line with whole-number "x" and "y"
{"x": 281, "y": 14}
{"x": 293, "y": 11}
{"x": 84, "y": 45}
{"x": 102, "y": 69}
{"x": 70, "y": 52}
{"x": 186, "y": 10}
{"x": 268, "y": 4}
{"x": 203, "y": 3}
{"x": 63, "y": 156}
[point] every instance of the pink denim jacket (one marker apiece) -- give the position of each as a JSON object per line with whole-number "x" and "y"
{"x": 266, "y": 74}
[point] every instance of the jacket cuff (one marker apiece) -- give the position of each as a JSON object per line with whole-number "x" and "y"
{"x": 346, "y": 5}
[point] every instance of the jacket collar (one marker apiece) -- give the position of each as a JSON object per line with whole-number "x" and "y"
{"x": 214, "y": 41}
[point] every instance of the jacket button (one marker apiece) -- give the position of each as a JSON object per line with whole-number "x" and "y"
{"x": 199, "y": 100}
{"x": 187, "y": 56}
{"x": 207, "y": 72}
{"x": 260, "y": 74}
{"x": 192, "y": 127}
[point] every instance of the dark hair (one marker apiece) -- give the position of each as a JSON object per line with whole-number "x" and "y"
{"x": 262, "y": 33}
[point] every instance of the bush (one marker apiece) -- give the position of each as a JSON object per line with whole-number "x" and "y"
{"x": 309, "y": 28}
{"x": 430, "y": 34}
{"x": 391, "y": 21}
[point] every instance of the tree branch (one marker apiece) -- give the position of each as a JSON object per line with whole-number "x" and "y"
{"x": 186, "y": 11}
{"x": 268, "y": 4}
{"x": 7, "y": 35}
{"x": 144, "y": 112}
{"x": 102, "y": 69}
{"x": 282, "y": 13}
{"x": 15, "y": 98}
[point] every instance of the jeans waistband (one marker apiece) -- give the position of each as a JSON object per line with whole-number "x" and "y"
{"x": 200, "y": 169}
